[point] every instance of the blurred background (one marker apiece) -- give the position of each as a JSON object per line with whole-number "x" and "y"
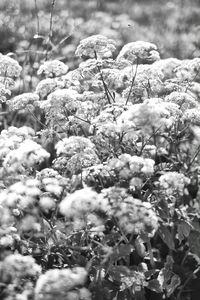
{"x": 35, "y": 30}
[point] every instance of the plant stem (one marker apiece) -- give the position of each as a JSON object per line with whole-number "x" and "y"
{"x": 152, "y": 262}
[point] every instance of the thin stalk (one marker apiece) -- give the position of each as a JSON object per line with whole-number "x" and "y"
{"x": 132, "y": 82}
{"x": 152, "y": 262}
{"x": 50, "y": 27}
{"x": 37, "y": 18}
{"x": 107, "y": 92}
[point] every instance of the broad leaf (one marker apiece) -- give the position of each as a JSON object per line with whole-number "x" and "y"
{"x": 166, "y": 236}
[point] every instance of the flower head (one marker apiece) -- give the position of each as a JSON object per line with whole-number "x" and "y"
{"x": 61, "y": 284}
{"x": 9, "y": 67}
{"x": 18, "y": 267}
{"x": 53, "y": 68}
{"x": 139, "y": 52}
{"x": 23, "y": 100}
{"x": 173, "y": 182}
{"x": 82, "y": 202}
{"x": 26, "y": 155}
{"x": 96, "y": 45}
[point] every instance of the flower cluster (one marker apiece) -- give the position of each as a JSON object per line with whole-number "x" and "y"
{"x": 62, "y": 284}
{"x": 9, "y": 67}
{"x": 28, "y": 154}
{"x": 173, "y": 182}
{"x": 48, "y": 86}
{"x": 152, "y": 115}
{"x": 140, "y": 51}
{"x": 53, "y": 68}
{"x": 135, "y": 280}
{"x": 96, "y": 45}
{"x": 84, "y": 206}
{"x": 77, "y": 152}
{"x": 128, "y": 166}
{"x": 9, "y": 70}
{"x": 133, "y": 215}
{"x": 16, "y": 267}
{"x": 12, "y": 138}
{"x": 23, "y": 101}
{"x": 118, "y": 154}
{"x": 21, "y": 195}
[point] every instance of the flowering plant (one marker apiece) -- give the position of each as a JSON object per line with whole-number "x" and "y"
{"x": 99, "y": 195}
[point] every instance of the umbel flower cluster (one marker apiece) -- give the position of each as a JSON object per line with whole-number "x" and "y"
{"x": 103, "y": 178}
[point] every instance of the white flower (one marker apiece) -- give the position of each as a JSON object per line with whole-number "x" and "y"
{"x": 9, "y": 67}
{"x": 151, "y": 114}
{"x": 73, "y": 145}
{"x": 22, "y": 101}
{"x": 167, "y": 66}
{"x": 21, "y": 194}
{"x": 184, "y": 100}
{"x": 139, "y": 51}
{"x": 12, "y": 138}
{"x": 60, "y": 284}
{"x": 53, "y": 68}
{"x": 19, "y": 267}
{"x": 128, "y": 166}
{"x": 48, "y": 86}
{"x": 192, "y": 116}
{"x": 99, "y": 44}
{"x": 52, "y": 185}
{"x": 173, "y": 182}
{"x": 26, "y": 155}
{"x": 133, "y": 215}
{"x": 47, "y": 203}
{"x": 82, "y": 202}
{"x": 188, "y": 70}
{"x": 4, "y": 92}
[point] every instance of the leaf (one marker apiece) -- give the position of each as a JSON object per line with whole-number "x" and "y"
{"x": 194, "y": 242}
{"x": 155, "y": 286}
{"x": 117, "y": 272}
{"x": 139, "y": 247}
{"x": 175, "y": 282}
{"x": 166, "y": 236}
{"x": 121, "y": 251}
{"x": 167, "y": 279}
{"x": 164, "y": 277}
{"x": 183, "y": 230}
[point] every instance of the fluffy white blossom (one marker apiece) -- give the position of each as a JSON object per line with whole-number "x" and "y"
{"x": 23, "y": 100}
{"x": 143, "y": 52}
{"x": 59, "y": 104}
{"x": 184, "y": 100}
{"x": 53, "y": 68}
{"x": 26, "y": 155}
{"x": 132, "y": 164}
{"x": 188, "y": 70}
{"x": 192, "y": 116}
{"x": 167, "y": 66}
{"x": 173, "y": 182}
{"x": 4, "y": 92}
{"x": 46, "y": 202}
{"x": 19, "y": 267}
{"x": 73, "y": 144}
{"x": 133, "y": 215}
{"x": 21, "y": 194}
{"x": 47, "y": 86}
{"x": 61, "y": 284}
{"x": 82, "y": 202}
{"x": 12, "y": 138}
{"x": 152, "y": 114}
{"x": 99, "y": 44}
{"x": 9, "y": 67}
